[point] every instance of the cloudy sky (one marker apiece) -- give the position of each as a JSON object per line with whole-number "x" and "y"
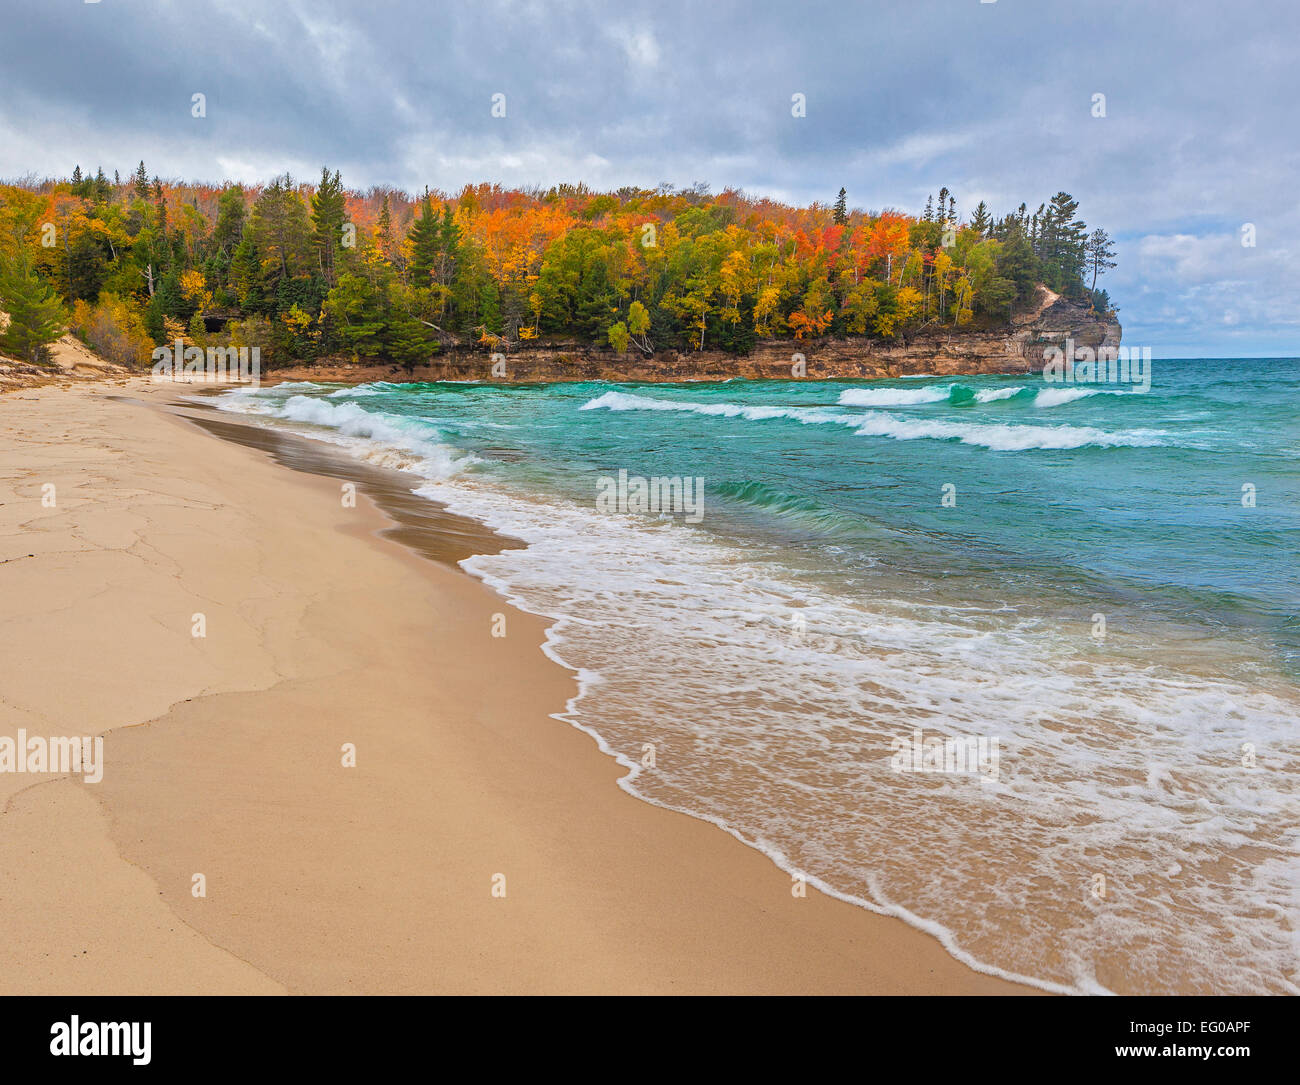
{"x": 995, "y": 100}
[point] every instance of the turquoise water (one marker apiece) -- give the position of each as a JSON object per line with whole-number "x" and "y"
{"x": 1104, "y": 581}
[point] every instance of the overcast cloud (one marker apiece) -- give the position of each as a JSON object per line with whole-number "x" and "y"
{"x": 994, "y": 100}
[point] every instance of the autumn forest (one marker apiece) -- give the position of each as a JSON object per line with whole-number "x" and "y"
{"x": 317, "y": 271}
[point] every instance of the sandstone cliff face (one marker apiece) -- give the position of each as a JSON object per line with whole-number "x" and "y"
{"x": 1018, "y": 349}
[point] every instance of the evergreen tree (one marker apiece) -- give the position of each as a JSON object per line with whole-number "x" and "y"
{"x": 36, "y": 316}
{"x": 154, "y": 313}
{"x": 86, "y": 267}
{"x": 1064, "y": 250}
{"x": 328, "y": 211}
{"x": 169, "y": 297}
{"x": 406, "y": 340}
{"x": 141, "y": 182}
{"x": 489, "y": 306}
{"x": 425, "y": 244}
{"x": 1015, "y": 262}
{"x": 356, "y": 310}
{"x": 231, "y": 214}
{"x": 841, "y": 208}
{"x": 246, "y": 276}
{"x": 384, "y": 230}
{"x": 980, "y": 221}
{"x": 160, "y": 209}
{"x": 281, "y": 230}
{"x": 1099, "y": 254}
{"x": 597, "y": 304}
{"x": 448, "y": 247}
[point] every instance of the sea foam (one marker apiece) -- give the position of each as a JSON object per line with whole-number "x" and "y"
{"x": 783, "y": 738}
{"x": 997, "y": 437}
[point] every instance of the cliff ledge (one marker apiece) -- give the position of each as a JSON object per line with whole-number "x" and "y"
{"x": 1050, "y": 321}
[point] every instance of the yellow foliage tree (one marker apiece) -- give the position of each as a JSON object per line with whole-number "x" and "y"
{"x": 194, "y": 289}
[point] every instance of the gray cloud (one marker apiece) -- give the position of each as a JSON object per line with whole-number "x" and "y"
{"x": 992, "y": 99}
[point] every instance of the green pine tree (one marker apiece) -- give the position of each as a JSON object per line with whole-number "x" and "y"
{"x": 425, "y": 245}
{"x": 1100, "y": 254}
{"x": 280, "y": 228}
{"x": 841, "y": 208}
{"x": 449, "y": 236}
{"x": 247, "y": 277}
{"x": 448, "y": 248}
{"x": 407, "y": 341}
{"x": 384, "y": 230}
{"x": 36, "y": 315}
{"x": 1015, "y": 263}
{"x": 356, "y": 311}
{"x": 328, "y": 211}
{"x": 1064, "y": 246}
{"x": 231, "y": 214}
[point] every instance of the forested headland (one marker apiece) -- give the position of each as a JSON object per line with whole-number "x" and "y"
{"x": 308, "y": 272}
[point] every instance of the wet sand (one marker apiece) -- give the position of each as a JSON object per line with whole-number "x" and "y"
{"x": 478, "y": 845}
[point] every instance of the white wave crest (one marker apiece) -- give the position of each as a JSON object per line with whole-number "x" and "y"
{"x": 387, "y": 439}
{"x": 1055, "y": 397}
{"x": 990, "y": 395}
{"x": 996, "y": 437}
{"x": 893, "y": 397}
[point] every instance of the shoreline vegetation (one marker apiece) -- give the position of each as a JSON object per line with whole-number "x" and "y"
{"x": 572, "y": 281}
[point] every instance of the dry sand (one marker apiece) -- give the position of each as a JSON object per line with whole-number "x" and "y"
{"x": 223, "y": 757}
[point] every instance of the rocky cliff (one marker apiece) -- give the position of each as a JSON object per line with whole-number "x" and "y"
{"x": 1019, "y": 348}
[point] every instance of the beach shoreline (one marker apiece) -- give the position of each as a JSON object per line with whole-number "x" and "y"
{"x": 224, "y": 758}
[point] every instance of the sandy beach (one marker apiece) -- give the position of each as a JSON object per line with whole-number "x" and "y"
{"x": 224, "y": 755}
